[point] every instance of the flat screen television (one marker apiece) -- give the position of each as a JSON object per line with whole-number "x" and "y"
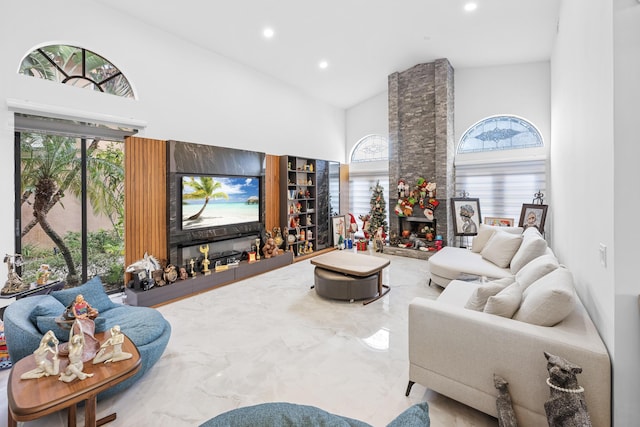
{"x": 209, "y": 201}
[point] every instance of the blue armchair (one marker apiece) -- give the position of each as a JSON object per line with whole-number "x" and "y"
{"x": 28, "y": 319}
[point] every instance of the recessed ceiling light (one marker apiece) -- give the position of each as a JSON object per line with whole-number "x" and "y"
{"x": 469, "y": 7}
{"x": 268, "y": 33}
{"x": 323, "y": 64}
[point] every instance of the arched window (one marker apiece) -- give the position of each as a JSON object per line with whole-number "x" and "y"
{"x": 371, "y": 148}
{"x": 369, "y": 165}
{"x": 76, "y": 66}
{"x": 502, "y": 180}
{"x": 500, "y": 133}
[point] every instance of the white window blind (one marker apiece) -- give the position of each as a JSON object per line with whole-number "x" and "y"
{"x": 502, "y": 187}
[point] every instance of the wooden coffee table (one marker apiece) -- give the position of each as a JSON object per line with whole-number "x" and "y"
{"x": 35, "y": 398}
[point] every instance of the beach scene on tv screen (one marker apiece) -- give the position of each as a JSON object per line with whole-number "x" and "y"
{"x": 209, "y": 201}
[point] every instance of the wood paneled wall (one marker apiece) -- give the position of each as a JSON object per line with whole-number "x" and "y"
{"x": 272, "y": 190}
{"x": 145, "y": 203}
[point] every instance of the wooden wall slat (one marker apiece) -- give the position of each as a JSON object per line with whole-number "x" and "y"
{"x": 272, "y": 192}
{"x": 145, "y": 199}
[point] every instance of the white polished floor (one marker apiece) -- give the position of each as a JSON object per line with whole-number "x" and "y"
{"x": 271, "y": 338}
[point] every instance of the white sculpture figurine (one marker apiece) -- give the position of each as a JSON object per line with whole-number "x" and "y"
{"x": 115, "y": 354}
{"x": 45, "y": 367}
{"x": 75, "y": 347}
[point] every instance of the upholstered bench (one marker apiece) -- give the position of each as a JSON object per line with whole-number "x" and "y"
{"x": 349, "y": 276}
{"x": 340, "y": 286}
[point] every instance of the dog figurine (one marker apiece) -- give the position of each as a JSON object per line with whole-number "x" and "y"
{"x": 566, "y": 406}
{"x": 506, "y": 415}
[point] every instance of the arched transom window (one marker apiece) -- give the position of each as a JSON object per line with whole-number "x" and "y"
{"x": 371, "y": 148}
{"x": 77, "y": 67}
{"x": 500, "y": 133}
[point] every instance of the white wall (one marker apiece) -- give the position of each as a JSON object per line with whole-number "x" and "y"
{"x": 522, "y": 90}
{"x": 184, "y": 93}
{"x": 596, "y": 99}
{"x": 367, "y": 118}
{"x": 626, "y": 176}
{"x": 582, "y": 153}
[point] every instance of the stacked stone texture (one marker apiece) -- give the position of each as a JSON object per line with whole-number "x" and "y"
{"x": 421, "y": 143}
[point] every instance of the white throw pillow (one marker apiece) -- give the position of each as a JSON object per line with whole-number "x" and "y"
{"x": 506, "y": 302}
{"x": 533, "y": 245}
{"x": 536, "y": 269}
{"x": 501, "y": 248}
{"x": 484, "y": 234}
{"x": 486, "y": 231}
{"x": 479, "y": 297}
{"x": 549, "y": 300}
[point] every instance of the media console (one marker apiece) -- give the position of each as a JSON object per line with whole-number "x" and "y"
{"x": 201, "y": 283}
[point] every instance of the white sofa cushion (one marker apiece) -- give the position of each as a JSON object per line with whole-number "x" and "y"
{"x": 453, "y": 263}
{"x": 536, "y": 269}
{"x": 533, "y": 245}
{"x": 549, "y": 300}
{"x": 479, "y": 297}
{"x": 501, "y": 248}
{"x": 486, "y": 231}
{"x": 506, "y": 302}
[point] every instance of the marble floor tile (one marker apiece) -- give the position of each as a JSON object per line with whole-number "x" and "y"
{"x": 270, "y": 338}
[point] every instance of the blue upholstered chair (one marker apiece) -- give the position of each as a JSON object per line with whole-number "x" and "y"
{"x": 28, "y": 319}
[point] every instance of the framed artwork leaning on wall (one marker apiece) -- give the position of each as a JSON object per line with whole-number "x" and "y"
{"x": 533, "y": 216}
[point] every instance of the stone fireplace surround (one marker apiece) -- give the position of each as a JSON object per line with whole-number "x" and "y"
{"x": 421, "y": 138}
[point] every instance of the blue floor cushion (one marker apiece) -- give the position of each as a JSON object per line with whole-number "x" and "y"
{"x": 281, "y": 414}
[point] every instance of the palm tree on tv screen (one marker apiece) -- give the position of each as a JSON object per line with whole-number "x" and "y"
{"x": 203, "y": 188}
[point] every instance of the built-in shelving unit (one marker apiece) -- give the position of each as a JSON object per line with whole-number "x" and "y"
{"x": 298, "y": 204}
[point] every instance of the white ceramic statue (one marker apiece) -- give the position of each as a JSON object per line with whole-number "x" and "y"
{"x": 115, "y": 353}
{"x": 76, "y": 348}
{"x": 45, "y": 367}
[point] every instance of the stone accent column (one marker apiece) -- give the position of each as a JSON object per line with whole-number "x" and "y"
{"x": 421, "y": 140}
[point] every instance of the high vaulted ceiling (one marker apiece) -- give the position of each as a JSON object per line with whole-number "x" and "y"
{"x": 363, "y": 41}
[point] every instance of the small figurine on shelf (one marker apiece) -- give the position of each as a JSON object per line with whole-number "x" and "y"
{"x": 80, "y": 309}
{"x": 309, "y": 220}
{"x": 76, "y": 349}
{"x": 14, "y": 282}
{"x": 43, "y": 274}
{"x": 270, "y": 248}
{"x": 192, "y": 263}
{"x": 115, "y": 354}
{"x": 45, "y": 367}
{"x": 183, "y": 273}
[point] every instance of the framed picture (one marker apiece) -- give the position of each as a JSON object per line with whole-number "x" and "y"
{"x": 533, "y": 216}
{"x": 338, "y": 229}
{"x": 498, "y": 221}
{"x": 466, "y": 216}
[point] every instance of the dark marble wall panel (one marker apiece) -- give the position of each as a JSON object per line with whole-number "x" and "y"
{"x": 322, "y": 204}
{"x": 188, "y": 158}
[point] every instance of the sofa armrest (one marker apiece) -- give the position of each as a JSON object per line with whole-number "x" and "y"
{"x": 21, "y": 334}
{"x": 468, "y": 347}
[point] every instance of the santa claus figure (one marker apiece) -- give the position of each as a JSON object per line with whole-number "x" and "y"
{"x": 353, "y": 225}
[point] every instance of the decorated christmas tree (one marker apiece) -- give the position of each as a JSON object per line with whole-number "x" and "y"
{"x": 378, "y": 212}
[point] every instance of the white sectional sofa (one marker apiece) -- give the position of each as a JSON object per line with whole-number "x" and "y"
{"x": 491, "y": 255}
{"x": 476, "y": 329}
